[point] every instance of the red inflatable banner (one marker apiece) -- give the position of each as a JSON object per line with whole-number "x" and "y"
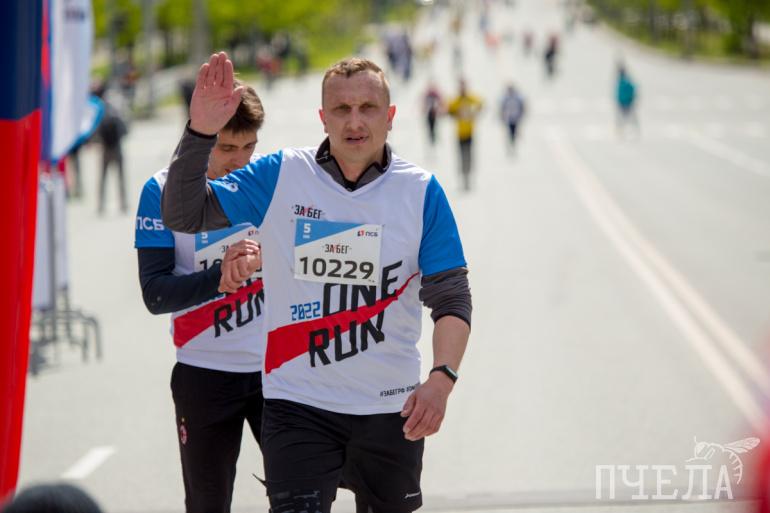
{"x": 20, "y": 35}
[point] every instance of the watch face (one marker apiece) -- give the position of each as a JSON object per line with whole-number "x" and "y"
{"x": 450, "y": 370}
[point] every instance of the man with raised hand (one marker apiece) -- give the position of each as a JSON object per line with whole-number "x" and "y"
{"x": 216, "y": 383}
{"x": 346, "y": 230}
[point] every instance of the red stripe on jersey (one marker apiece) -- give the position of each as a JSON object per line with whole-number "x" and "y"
{"x": 290, "y": 341}
{"x": 195, "y": 322}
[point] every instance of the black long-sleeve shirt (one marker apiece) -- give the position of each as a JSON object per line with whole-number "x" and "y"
{"x": 165, "y": 292}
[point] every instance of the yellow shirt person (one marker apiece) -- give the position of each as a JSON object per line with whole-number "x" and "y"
{"x": 464, "y": 108}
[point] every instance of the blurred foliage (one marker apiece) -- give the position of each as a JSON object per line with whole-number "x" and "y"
{"x": 692, "y": 26}
{"x": 319, "y": 30}
{"x": 125, "y": 25}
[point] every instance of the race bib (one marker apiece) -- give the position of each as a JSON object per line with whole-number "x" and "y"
{"x": 210, "y": 247}
{"x": 330, "y": 252}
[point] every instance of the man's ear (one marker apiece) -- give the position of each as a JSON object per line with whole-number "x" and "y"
{"x": 323, "y": 119}
{"x": 391, "y": 115}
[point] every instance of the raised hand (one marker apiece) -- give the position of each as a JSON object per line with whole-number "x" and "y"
{"x": 214, "y": 101}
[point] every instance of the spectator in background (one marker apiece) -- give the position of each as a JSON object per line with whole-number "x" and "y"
{"x": 625, "y": 96}
{"x": 110, "y": 132}
{"x": 127, "y": 78}
{"x": 186, "y": 88}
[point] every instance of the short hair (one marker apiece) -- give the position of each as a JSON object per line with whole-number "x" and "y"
{"x": 352, "y": 65}
{"x": 249, "y": 115}
{"x": 52, "y": 498}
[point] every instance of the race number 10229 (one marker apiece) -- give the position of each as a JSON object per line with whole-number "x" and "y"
{"x": 335, "y": 268}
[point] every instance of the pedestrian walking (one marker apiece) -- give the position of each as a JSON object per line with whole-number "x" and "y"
{"x": 625, "y": 97}
{"x": 111, "y": 131}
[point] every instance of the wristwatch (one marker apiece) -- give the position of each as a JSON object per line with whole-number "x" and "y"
{"x": 446, "y": 369}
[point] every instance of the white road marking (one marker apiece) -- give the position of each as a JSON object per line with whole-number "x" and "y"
{"x": 661, "y": 277}
{"x": 89, "y": 462}
{"x": 725, "y": 152}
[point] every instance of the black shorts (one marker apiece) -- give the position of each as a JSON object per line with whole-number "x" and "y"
{"x": 308, "y": 452}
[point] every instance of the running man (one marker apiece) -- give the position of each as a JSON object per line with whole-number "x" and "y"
{"x": 511, "y": 111}
{"x": 433, "y": 105}
{"x": 216, "y": 383}
{"x": 354, "y": 238}
{"x": 465, "y": 108}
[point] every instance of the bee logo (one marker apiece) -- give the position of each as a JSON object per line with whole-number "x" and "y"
{"x": 705, "y": 451}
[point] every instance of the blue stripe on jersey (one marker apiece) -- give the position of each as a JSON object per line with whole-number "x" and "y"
{"x": 440, "y": 248}
{"x": 309, "y": 230}
{"x": 206, "y": 239}
{"x": 150, "y": 232}
{"x": 245, "y": 194}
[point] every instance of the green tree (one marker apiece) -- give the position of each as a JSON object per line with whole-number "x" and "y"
{"x": 174, "y": 23}
{"x": 743, "y": 16}
{"x": 119, "y": 18}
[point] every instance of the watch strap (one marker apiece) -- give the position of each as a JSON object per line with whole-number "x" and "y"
{"x": 446, "y": 369}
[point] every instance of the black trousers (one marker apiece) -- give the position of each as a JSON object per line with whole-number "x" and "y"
{"x": 432, "y": 128}
{"x": 112, "y": 155}
{"x": 466, "y": 161}
{"x": 211, "y": 407}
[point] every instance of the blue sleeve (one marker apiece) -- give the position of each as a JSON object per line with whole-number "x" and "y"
{"x": 440, "y": 247}
{"x": 149, "y": 231}
{"x": 245, "y": 194}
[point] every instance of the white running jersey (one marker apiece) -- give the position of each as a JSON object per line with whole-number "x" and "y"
{"x": 224, "y": 333}
{"x": 343, "y": 269}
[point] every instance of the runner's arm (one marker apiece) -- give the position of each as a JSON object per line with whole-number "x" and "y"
{"x": 445, "y": 288}
{"x": 188, "y": 203}
{"x": 191, "y": 203}
{"x": 165, "y": 292}
{"x": 448, "y": 293}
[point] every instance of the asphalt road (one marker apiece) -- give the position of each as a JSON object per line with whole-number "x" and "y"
{"x": 621, "y": 285}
